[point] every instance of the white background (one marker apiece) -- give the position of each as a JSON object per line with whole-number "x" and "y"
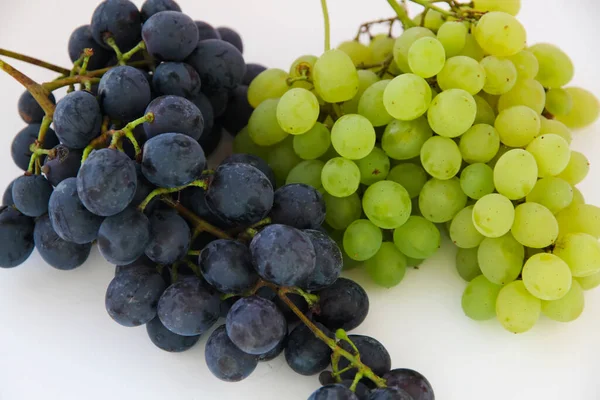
{"x": 57, "y": 341}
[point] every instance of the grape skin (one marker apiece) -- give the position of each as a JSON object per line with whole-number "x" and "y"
{"x": 16, "y": 233}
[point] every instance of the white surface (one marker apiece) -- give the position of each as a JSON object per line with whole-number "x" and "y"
{"x": 57, "y": 341}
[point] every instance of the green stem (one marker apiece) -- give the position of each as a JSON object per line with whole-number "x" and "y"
{"x": 96, "y": 143}
{"x": 127, "y": 131}
{"x": 34, "y": 61}
{"x": 126, "y": 56}
{"x": 290, "y": 81}
{"x": 160, "y": 191}
{"x": 311, "y": 299}
{"x": 342, "y": 335}
{"x": 198, "y": 222}
{"x": 87, "y": 54}
{"x": 193, "y": 267}
{"x": 341, "y": 371}
{"x": 326, "y": 24}
{"x": 39, "y": 93}
{"x": 194, "y": 252}
{"x": 401, "y": 13}
{"x": 37, "y": 150}
{"x": 110, "y": 41}
{"x": 428, "y": 5}
{"x": 51, "y": 86}
{"x": 357, "y": 379}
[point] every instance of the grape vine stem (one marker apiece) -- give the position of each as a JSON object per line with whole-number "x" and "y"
{"x": 34, "y": 61}
{"x": 202, "y": 183}
{"x": 39, "y": 93}
{"x": 326, "y": 24}
{"x": 429, "y": 6}
{"x": 401, "y": 13}
{"x": 199, "y": 223}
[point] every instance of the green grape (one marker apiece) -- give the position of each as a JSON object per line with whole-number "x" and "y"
{"x": 387, "y": 204}
{"x": 371, "y": 105}
{"x": 525, "y": 92}
{"x": 517, "y": 126}
{"x": 417, "y": 238}
{"x": 577, "y": 196}
{"x": 501, "y": 258}
{"x": 479, "y": 299}
{"x": 553, "y": 193}
{"x": 479, "y": 144}
{"x": 282, "y": 159}
{"x": 441, "y": 157}
{"x": 362, "y": 239}
{"x": 491, "y": 99}
{"x": 407, "y": 97}
{"x": 297, "y": 111}
{"x": 453, "y": 36}
{"x": 556, "y": 68}
{"x": 515, "y": 174}
{"x": 555, "y": 127}
{"x": 414, "y": 262}
{"x": 477, "y": 180}
{"x": 500, "y": 34}
{"x": 263, "y": 128}
{"x": 303, "y": 66}
{"x": 452, "y": 113}
{"x": 374, "y": 167}
{"x": 433, "y": 20}
{"x": 588, "y": 282}
{"x": 440, "y": 201}
{"x": 312, "y": 144}
{"x": 516, "y": 309}
{"x": 511, "y": 7}
{"x": 534, "y": 226}
{"x": 387, "y": 267}
{"x": 551, "y": 153}
{"x": 547, "y": 277}
{"x": 353, "y": 136}
{"x": 402, "y": 140}
{"x": 467, "y": 264}
{"x": 426, "y": 57}
{"x": 381, "y": 47}
{"x": 501, "y": 151}
{"x": 472, "y": 48}
{"x": 340, "y": 177}
{"x": 411, "y": 176}
{"x": 558, "y": 101}
{"x": 501, "y": 75}
{"x": 485, "y": 112}
{"x": 581, "y": 252}
{"x": 242, "y": 143}
{"x": 462, "y": 231}
{"x": 358, "y": 52}
{"x": 577, "y": 168}
{"x": 403, "y": 43}
{"x": 568, "y": 308}
{"x": 493, "y": 215}
{"x": 307, "y": 172}
{"x": 365, "y": 79}
{"x": 269, "y": 84}
{"x": 585, "y": 111}
{"x": 335, "y": 77}
{"x": 461, "y": 72}
{"x": 584, "y": 218}
{"x": 341, "y": 211}
{"x": 526, "y": 63}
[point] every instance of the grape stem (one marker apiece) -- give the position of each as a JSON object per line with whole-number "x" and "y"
{"x": 36, "y": 147}
{"x": 326, "y": 24}
{"x": 198, "y": 222}
{"x": 202, "y": 183}
{"x": 366, "y": 27}
{"x": 429, "y": 6}
{"x": 311, "y": 299}
{"x": 402, "y": 14}
{"x": 34, "y": 61}
{"x": 39, "y": 93}
{"x": 57, "y": 84}
{"x": 126, "y": 56}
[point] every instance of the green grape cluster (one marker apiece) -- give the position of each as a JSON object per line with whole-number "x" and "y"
{"x": 458, "y": 125}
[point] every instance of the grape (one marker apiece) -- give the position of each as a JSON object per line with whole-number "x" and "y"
{"x": 240, "y": 194}
{"x": 206, "y": 31}
{"x": 227, "y": 266}
{"x": 501, "y": 259}
{"x": 340, "y": 177}
{"x": 402, "y": 140}
{"x": 282, "y": 159}
{"x": 479, "y": 299}
{"x": 577, "y": 168}
{"x": 7, "y": 199}
{"x": 387, "y": 204}
{"x": 517, "y": 126}
{"x": 583, "y": 218}
{"x": 169, "y": 237}
{"x": 547, "y": 277}
{"x": 358, "y": 52}
{"x": 31, "y": 194}
{"x": 441, "y": 157}
{"x": 174, "y": 114}
{"x": 55, "y": 251}
{"x": 252, "y": 71}
{"x": 307, "y": 172}
{"x": 461, "y": 72}
{"x": 17, "y": 234}
{"x": 479, "y": 144}
{"x": 374, "y": 167}
{"x": 343, "y": 305}
{"x": 452, "y": 113}
{"x": 501, "y": 75}
{"x": 371, "y": 104}
{"x": 123, "y": 93}
{"x": 581, "y": 252}
{"x": 485, "y": 112}
{"x": 511, "y": 7}
{"x": 500, "y": 34}
{"x": 389, "y": 393}
{"x": 314, "y": 143}
{"x": 551, "y": 153}
{"x": 467, "y": 264}
{"x": 440, "y": 201}
{"x": 297, "y": 111}
{"x": 405, "y": 41}
{"x": 303, "y": 67}
{"x": 166, "y": 340}
{"x": 515, "y": 174}
{"x": 558, "y": 101}
{"x": 208, "y": 115}
{"x": 366, "y": 78}
{"x": 341, "y": 211}
{"x": 122, "y": 238}
{"x": 263, "y": 127}
{"x": 417, "y": 238}
{"x": 568, "y": 308}
{"x": 555, "y": 67}
{"x": 19, "y": 150}
{"x": 77, "y": 132}
{"x": 516, "y": 309}
{"x": 63, "y": 164}
{"x": 553, "y": 193}
{"x": 577, "y": 196}
{"x": 333, "y": 391}
{"x": 328, "y": 265}
{"x": 415, "y": 384}
{"x": 526, "y": 64}
{"x": 298, "y": 205}
{"x": 411, "y": 176}
{"x": 555, "y": 127}
{"x": 407, "y": 97}
{"x": 231, "y": 36}
{"x": 431, "y": 20}
{"x": 255, "y": 161}
{"x": 121, "y": 19}
{"x": 353, "y": 136}
{"x": 372, "y": 353}
{"x": 477, "y": 180}
{"x": 305, "y": 353}
{"x": 426, "y": 57}
{"x": 219, "y": 64}
{"x": 335, "y": 77}
{"x": 525, "y": 92}
{"x": 80, "y": 39}
{"x": 587, "y": 282}
{"x": 269, "y": 84}
{"x": 452, "y": 35}
{"x": 132, "y": 296}
{"x": 151, "y": 7}
{"x": 463, "y": 232}
{"x": 170, "y": 35}
{"x": 585, "y": 110}
{"x": 493, "y": 215}
{"x": 472, "y": 49}
{"x": 362, "y": 240}
{"x": 188, "y": 307}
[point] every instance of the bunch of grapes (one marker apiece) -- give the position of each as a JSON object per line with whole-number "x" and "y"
{"x": 458, "y": 125}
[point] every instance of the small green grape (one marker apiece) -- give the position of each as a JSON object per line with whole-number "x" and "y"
{"x": 411, "y": 176}
{"x": 374, "y": 167}
{"x": 297, "y": 111}
{"x": 493, "y": 215}
{"x": 547, "y": 277}
{"x": 534, "y": 226}
{"x": 335, "y": 77}
{"x": 551, "y": 153}
{"x": 462, "y": 230}
{"x": 516, "y": 309}
{"x": 340, "y": 177}
{"x": 500, "y": 34}
{"x": 467, "y": 264}
{"x": 426, "y": 57}
{"x": 387, "y": 204}
{"x": 479, "y": 299}
{"x": 453, "y": 36}
{"x": 417, "y": 238}
{"x": 362, "y": 239}
{"x": 353, "y": 136}
{"x": 269, "y": 84}
{"x": 441, "y": 157}
{"x": 312, "y": 144}
{"x": 461, "y": 72}
{"x": 441, "y": 200}
{"x": 407, "y": 97}
{"x": 477, "y": 180}
{"x": 555, "y": 67}
{"x": 517, "y": 126}
{"x": 387, "y": 267}
{"x": 501, "y": 258}
{"x": 452, "y": 113}
{"x": 515, "y": 174}
{"x": 263, "y": 128}
{"x": 403, "y": 140}
{"x": 479, "y": 144}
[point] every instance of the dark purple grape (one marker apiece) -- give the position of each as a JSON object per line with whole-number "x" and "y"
{"x": 231, "y": 36}
{"x": 220, "y": 65}
{"x": 283, "y": 255}
{"x": 170, "y": 35}
{"x": 123, "y": 237}
{"x": 7, "y": 199}
{"x": 63, "y": 164}
{"x": 227, "y": 266}
{"x": 238, "y": 110}
{"x": 142, "y": 191}
{"x": 252, "y": 71}
{"x": 16, "y": 236}
{"x": 333, "y": 392}
{"x": 225, "y": 360}
{"x": 372, "y": 353}
{"x": 58, "y": 253}
{"x": 211, "y": 140}
{"x": 141, "y": 263}
{"x": 174, "y": 114}
{"x": 106, "y": 182}
{"x": 415, "y": 384}
{"x": 255, "y": 325}
{"x": 326, "y": 378}
{"x": 389, "y": 393}
{"x": 124, "y": 93}
{"x": 206, "y": 31}
{"x": 254, "y": 161}
{"x": 218, "y": 101}
{"x": 169, "y": 237}
{"x": 19, "y": 149}
{"x": 342, "y": 305}
{"x": 298, "y": 205}
{"x": 151, "y": 7}
{"x": 82, "y": 39}
{"x": 328, "y": 266}
{"x": 31, "y": 194}
{"x": 119, "y": 19}
{"x": 203, "y": 104}
{"x": 361, "y": 391}
{"x": 275, "y": 352}
{"x": 176, "y": 78}
{"x": 77, "y": 119}
{"x": 305, "y": 353}
{"x": 188, "y": 307}
{"x": 166, "y": 340}
{"x": 29, "y": 109}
